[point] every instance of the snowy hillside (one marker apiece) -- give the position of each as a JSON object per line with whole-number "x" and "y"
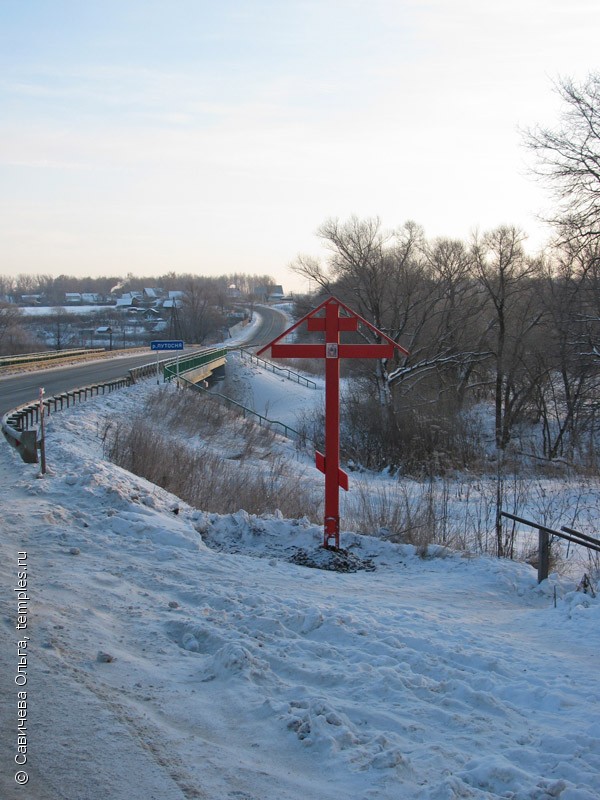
{"x": 178, "y": 654}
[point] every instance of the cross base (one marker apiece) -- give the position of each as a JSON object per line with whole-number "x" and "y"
{"x": 331, "y": 530}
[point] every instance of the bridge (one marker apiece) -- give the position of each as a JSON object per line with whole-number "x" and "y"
{"x": 198, "y": 367}
{"x": 22, "y": 425}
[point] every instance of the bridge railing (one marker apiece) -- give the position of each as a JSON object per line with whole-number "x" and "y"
{"x": 193, "y": 361}
{"x": 285, "y": 372}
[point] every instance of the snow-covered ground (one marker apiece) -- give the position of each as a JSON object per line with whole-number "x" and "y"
{"x": 191, "y": 655}
{"x": 271, "y": 394}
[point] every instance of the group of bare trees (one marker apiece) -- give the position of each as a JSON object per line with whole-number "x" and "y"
{"x": 204, "y": 301}
{"x": 53, "y": 287}
{"x": 483, "y": 320}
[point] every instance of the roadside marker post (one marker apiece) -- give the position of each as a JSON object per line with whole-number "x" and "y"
{"x": 42, "y": 434}
{"x": 333, "y": 324}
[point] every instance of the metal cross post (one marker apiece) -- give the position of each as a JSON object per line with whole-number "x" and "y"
{"x": 332, "y": 324}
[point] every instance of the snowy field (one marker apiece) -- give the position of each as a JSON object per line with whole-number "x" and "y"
{"x": 186, "y": 655}
{"x": 40, "y": 311}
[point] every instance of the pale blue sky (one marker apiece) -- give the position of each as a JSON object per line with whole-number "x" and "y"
{"x": 212, "y": 137}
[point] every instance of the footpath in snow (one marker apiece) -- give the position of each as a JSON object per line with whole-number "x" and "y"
{"x": 186, "y": 655}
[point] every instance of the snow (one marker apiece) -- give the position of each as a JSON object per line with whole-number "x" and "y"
{"x": 188, "y": 655}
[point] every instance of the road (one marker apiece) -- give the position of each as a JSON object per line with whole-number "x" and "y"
{"x": 20, "y": 388}
{"x": 23, "y": 387}
{"x": 273, "y": 323}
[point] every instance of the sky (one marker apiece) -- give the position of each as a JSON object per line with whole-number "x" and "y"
{"x": 147, "y": 136}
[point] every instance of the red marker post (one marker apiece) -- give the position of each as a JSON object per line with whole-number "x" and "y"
{"x": 42, "y": 433}
{"x": 332, "y": 324}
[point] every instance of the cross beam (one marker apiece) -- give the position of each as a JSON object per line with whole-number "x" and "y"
{"x": 332, "y": 350}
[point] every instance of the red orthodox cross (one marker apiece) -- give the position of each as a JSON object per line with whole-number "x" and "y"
{"x": 332, "y": 350}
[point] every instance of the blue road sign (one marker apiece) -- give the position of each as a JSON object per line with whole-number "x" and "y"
{"x": 176, "y": 344}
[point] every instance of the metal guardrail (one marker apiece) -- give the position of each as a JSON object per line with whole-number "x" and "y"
{"x": 19, "y": 425}
{"x": 544, "y": 534}
{"x": 145, "y": 371}
{"x": 47, "y": 355}
{"x": 285, "y": 372}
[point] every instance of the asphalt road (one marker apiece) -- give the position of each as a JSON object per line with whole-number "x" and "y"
{"x": 23, "y": 387}
{"x": 20, "y": 388}
{"x": 273, "y": 323}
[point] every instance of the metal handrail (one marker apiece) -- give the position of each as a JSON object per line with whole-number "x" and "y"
{"x": 544, "y": 534}
{"x": 285, "y": 429}
{"x": 583, "y": 536}
{"x": 288, "y": 373}
{"x": 565, "y": 533}
{"x": 172, "y": 371}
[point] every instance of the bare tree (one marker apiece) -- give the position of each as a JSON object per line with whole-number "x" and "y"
{"x": 7, "y": 284}
{"x": 571, "y": 293}
{"x": 13, "y": 338}
{"x": 372, "y": 270}
{"x": 560, "y": 395}
{"x": 60, "y": 320}
{"x": 568, "y": 158}
{"x": 505, "y": 275}
{"x": 413, "y": 292}
{"x": 456, "y": 320}
{"x": 199, "y": 315}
